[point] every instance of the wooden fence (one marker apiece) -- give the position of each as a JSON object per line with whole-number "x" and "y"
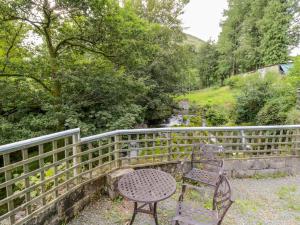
{"x": 36, "y": 173}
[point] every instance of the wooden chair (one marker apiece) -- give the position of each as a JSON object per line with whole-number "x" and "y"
{"x": 209, "y": 168}
{"x": 188, "y": 215}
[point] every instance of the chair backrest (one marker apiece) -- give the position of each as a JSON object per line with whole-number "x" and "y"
{"x": 222, "y": 198}
{"x": 206, "y": 154}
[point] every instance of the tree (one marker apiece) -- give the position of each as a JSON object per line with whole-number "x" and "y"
{"x": 275, "y": 27}
{"x": 165, "y": 12}
{"x": 208, "y": 64}
{"x": 229, "y": 37}
{"x": 91, "y": 64}
{"x": 257, "y": 33}
{"x": 248, "y": 52}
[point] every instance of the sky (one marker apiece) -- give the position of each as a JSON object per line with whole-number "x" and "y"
{"x": 202, "y": 19}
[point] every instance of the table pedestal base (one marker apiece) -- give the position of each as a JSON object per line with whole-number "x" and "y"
{"x": 141, "y": 209}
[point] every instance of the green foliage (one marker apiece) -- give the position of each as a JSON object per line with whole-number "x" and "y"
{"x": 256, "y": 33}
{"x": 265, "y": 101}
{"x": 194, "y": 41}
{"x": 216, "y": 116}
{"x": 248, "y": 99}
{"x": 286, "y": 191}
{"x": 252, "y": 98}
{"x": 275, "y": 26}
{"x": 208, "y": 64}
{"x": 275, "y": 111}
{"x": 294, "y": 74}
{"x": 246, "y": 205}
{"x": 237, "y": 82}
{"x": 97, "y": 65}
{"x": 196, "y": 121}
{"x": 293, "y": 117}
{"x": 275, "y": 175}
{"x": 211, "y": 96}
{"x": 228, "y": 40}
{"x": 288, "y": 194}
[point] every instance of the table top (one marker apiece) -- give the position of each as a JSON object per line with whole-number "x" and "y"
{"x": 147, "y": 185}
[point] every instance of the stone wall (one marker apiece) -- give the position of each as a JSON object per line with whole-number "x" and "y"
{"x": 245, "y": 168}
{"x": 70, "y": 205}
{"x": 263, "y": 166}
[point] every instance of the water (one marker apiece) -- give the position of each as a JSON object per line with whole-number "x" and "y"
{"x": 177, "y": 120}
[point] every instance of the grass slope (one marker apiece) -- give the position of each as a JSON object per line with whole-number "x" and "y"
{"x": 211, "y": 96}
{"x": 192, "y": 40}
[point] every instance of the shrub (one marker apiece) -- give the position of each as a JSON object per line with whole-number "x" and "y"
{"x": 274, "y": 112}
{"x": 251, "y": 99}
{"x": 282, "y": 99}
{"x": 235, "y": 81}
{"x": 194, "y": 108}
{"x": 196, "y": 121}
{"x": 293, "y": 117}
{"x": 265, "y": 100}
{"x": 216, "y": 116}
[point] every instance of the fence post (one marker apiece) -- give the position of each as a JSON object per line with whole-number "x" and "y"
{"x": 169, "y": 144}
{"x": 117, "y": 152}
{"x": 76, "y": 159}
{"x": 9, "y": 188}
{"x": 203, "y": 117}
{"x": 298, "y": 99}
{"x": 243, "y": 139}
{"x": 296, "y": 151}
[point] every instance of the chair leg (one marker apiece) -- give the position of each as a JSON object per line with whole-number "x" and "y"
{"x": 155, "y": 213}
{"x": 134, "y": 213}
{"x": 175, "y": 222}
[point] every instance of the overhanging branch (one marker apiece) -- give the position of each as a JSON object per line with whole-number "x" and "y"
{"x": 28, "y": 76}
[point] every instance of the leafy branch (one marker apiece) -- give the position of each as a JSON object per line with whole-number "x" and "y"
{"x": 40, "y": 82}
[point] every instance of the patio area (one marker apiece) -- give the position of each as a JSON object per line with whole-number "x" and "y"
{"x": 258, "y": 201}
{"x": 50, "y": 179}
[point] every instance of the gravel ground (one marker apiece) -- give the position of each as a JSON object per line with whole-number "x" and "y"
{"x": 257, "y": 202}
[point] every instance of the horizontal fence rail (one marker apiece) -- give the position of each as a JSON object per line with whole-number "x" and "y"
{"x": 36, "y": 173}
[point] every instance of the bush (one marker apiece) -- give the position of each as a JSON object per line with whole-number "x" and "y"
{"x": 274, "y": 112}
{"x": 240, "y": 81}
{"x": 194, "y": 108}
{"x": 293, "y": 117}
{"x": 234, "y": 81}
{"x": 216, "y": 116}
{"x": 265, "y": 100}
{"x": 196, "y": 121}
{"x": 252, "y": 98}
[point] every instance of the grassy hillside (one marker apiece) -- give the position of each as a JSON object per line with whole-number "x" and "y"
{"x": 211, "y": 96}
{"x": 192, "y": 40}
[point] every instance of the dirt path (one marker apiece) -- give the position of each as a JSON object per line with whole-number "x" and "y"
{"x": 258, "y": 202}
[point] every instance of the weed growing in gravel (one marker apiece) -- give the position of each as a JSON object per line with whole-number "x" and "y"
{"x": 208, "y": 204}
{"x": 118, "y": 199}
{"x": 245, "y": 205}
{"x": 273, "y": 176}
{"x": 287, "y": 193}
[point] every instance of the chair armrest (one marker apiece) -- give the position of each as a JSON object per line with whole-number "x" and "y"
{"x": 184, "y": 161}
{"x": 221, "y": 171}
{"x": 232, "y": 199}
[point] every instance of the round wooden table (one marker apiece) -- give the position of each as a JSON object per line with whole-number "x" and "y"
{"x": 146, "y": 187}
